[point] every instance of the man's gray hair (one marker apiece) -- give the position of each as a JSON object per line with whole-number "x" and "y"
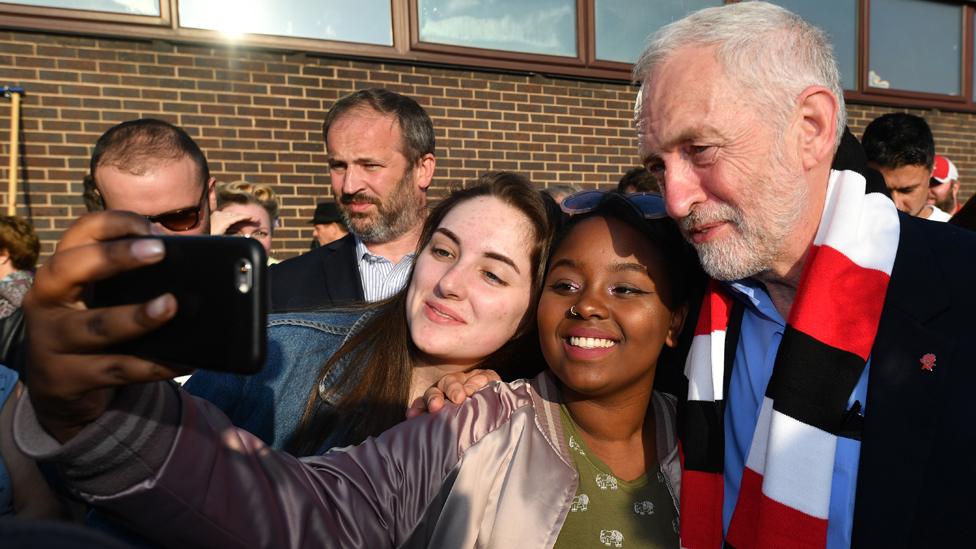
{"x": 770, "y": 52}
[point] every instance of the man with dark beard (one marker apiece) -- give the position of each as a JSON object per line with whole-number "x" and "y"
{"x": 380, "y": 147}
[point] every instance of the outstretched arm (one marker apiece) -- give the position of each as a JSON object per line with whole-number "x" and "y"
{"x": 173, "y": 467}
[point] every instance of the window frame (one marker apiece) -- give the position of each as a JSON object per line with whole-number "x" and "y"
{"x": 292, "y": 43}
{"x": 901, "y": 97}
{"x": 67, "y": 19}
{"x": 417, "y": 45}
{"x": 408, "y": 48}
{"x": 591, "y": 58}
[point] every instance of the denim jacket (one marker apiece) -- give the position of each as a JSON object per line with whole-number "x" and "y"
{"x": 270, "y": 404}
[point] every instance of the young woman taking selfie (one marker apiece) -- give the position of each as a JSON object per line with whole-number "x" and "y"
{"x": 509, "y": 467}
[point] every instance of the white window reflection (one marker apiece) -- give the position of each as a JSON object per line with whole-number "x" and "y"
{"x": 527, "y": 26}
{"x": 916, "y": 46}
{"x": 127, "y": 7}
{"x": 364, "y": 21}
{"x": 622, "y": 26}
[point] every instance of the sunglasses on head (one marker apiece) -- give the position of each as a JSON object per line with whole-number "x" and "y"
{"x": 183, "y": 219}
{"x": 648, "y": 205}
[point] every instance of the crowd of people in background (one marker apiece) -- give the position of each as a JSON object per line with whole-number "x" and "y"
{"x": 737, "y": 345}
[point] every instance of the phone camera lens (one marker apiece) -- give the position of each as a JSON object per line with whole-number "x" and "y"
{"x": 245, "y": 275}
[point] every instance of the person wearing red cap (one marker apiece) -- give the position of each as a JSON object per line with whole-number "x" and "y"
{"x": 944, "y": 186}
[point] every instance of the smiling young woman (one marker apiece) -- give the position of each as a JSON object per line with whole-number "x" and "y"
{"x": 334, "y": 378}
{"x": 614, "y": 297}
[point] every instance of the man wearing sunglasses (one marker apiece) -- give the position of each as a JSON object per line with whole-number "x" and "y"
{"x": 154, "y": 169}
{"x": 829, "y": 396}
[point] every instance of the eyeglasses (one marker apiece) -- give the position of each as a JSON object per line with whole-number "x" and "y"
{"x": 648, "y": 205}
{"x": 183, "y": 219}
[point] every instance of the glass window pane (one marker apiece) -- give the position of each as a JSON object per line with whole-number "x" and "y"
{"x": 915, "y": 46}
{"x": 622, "y": 26}
{"x": 838, "y": 18}
{"x": 365, "y": 21}
{"x": 127, "y": 7}
{"x": 527, "y": 26}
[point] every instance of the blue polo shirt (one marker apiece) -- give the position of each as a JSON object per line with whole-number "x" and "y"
{"x": 759, "y": 339}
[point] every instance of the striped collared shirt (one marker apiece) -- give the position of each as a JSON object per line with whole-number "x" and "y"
{"x": 381, "y": 278}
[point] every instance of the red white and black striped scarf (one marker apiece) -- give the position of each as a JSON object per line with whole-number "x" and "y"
{"x": 785, "y": 491}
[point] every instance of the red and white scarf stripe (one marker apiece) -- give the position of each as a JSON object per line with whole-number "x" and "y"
{"x": 784, "y": 495}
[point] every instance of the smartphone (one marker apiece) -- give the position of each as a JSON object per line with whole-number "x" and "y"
{"x": 220, "y": 284}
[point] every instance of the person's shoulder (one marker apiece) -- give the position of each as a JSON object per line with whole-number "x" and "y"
{"x": 501, "y": 399}
{"x": 514, "y": 394}
{"x": 938, "y": 215}
{"x": 313, "y": 257}
{"x": 488, "y": 411}
{"x": 301, "y": 342}
{"x": 947, "y": 240}
{"x": 338, "y": 322}
{"x": 935, "y": 259}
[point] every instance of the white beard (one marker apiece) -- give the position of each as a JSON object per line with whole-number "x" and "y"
{"x": 775, "y": 209}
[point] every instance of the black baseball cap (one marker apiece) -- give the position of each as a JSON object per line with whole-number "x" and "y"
{"x": 326, "y": 212}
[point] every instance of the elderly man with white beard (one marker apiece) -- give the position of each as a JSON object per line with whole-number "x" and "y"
{"x": 827, "y": 401}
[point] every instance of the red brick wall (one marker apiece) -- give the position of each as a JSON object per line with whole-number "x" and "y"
{"x": 257, "y": 115}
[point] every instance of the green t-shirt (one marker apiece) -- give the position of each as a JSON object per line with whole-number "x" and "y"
{"x": 610, "y": 512}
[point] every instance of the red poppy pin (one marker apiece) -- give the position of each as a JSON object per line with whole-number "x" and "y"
{"x": 928, "y": 362}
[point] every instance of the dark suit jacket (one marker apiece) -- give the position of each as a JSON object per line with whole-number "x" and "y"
{"x": 916, "y": 483}
{"x": 323, "y": 278}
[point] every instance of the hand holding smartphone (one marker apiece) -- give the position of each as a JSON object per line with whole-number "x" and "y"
{"x": 220, "y": 285}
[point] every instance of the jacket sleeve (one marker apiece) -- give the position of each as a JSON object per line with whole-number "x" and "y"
{"x": 172, "y": 467}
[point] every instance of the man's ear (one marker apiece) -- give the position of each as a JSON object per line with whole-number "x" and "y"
{"x": 4, "y": 256}
{"x": 94, "y": 201}
{"x": 817, "y": 108}
{"x": 424, "y": 171}
{"x": 677, "y": 323}
{"x": 212, "y": 193}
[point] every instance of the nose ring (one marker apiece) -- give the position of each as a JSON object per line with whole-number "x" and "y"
{"x": 573, "y": 313}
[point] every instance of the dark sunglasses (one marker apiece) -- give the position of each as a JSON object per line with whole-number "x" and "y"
{"x": 648, "y": 205}
{"x": 183, "y": 219}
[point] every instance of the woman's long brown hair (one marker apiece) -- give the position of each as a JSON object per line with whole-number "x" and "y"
{"x": 374, "y": 385}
